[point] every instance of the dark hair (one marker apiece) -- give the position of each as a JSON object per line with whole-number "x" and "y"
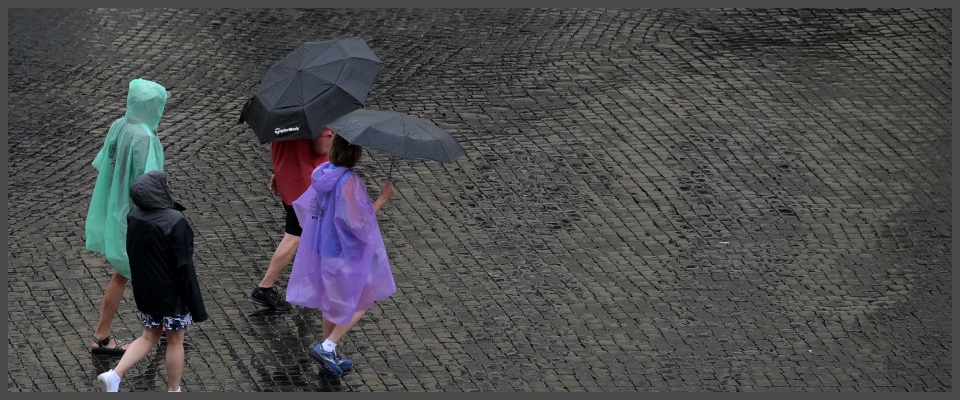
{"x": 344, "y": 154}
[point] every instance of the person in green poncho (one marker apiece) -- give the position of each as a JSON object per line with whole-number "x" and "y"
{"x": 130, "y": 149}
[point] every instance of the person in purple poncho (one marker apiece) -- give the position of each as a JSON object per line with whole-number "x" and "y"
{"x": 341, "y": 266}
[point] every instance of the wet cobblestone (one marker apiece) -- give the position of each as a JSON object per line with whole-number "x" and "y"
{"x": 651, "y": 200}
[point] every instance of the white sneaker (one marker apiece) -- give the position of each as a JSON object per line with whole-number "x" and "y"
{"x": 109, "y": 381}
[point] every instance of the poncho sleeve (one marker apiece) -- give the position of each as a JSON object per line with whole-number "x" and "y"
{"x": 355, "y": 214}
{"x": 101, "y": 156}
{"x": 182, "y": 245}
{"x": 303, "y": 205}
{"x": 146, "y": 153}
{"x": 104, "y": 154}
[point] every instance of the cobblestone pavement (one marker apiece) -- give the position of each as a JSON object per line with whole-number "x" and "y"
{"x": 651, "y": 200}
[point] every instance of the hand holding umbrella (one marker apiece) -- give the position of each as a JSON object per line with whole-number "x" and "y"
{"x": 385, "y": 194}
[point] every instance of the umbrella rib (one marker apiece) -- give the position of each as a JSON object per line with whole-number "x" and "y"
{"x": 340, "y": 72}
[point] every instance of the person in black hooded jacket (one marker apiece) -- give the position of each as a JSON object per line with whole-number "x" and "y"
{"x": 165, "y": 286}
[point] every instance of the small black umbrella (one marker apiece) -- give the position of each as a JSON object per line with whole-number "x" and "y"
{"x": 397, "y": 134}
{"x": 311, "y": 87}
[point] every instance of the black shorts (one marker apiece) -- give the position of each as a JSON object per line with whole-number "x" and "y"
{"x": 293, "y": 224}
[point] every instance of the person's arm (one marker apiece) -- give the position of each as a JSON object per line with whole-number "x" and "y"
{"x": 273, "y": 176}
{"x": 273, "y": 185}
{"x": 385, "y": 194}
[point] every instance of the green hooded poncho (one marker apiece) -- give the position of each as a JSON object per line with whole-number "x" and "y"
{"x": 130, "y": 150}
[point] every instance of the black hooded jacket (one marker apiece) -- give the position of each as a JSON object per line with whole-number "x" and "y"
{"x": 160, "y": 246}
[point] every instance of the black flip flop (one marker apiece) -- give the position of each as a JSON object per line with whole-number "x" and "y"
{"x": 103, "y": 349}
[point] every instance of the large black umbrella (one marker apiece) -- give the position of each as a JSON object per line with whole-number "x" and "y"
{"x": 311, "y": 87}
{"x": 397, "y": 134}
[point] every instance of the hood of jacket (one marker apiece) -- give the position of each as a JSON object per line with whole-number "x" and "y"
{"x": 145, "y": 103}
{"x": 150, "y": 191}
{"x": 325, "y": 177}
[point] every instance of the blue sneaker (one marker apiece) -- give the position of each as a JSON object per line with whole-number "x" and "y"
{"x": 344, "y": 363}
{"x": 327, "y": 359}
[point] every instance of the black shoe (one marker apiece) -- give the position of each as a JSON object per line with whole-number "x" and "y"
{"x": 269, "y": 298}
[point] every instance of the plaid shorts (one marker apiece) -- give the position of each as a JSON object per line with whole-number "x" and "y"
{"x": 172, "y": 323}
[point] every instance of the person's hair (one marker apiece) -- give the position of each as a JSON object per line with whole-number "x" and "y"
{"x": 344, "y": 154}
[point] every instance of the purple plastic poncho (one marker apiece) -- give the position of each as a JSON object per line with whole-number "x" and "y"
{"x": 341, "y": 265}
{"x": 130, "y": 149}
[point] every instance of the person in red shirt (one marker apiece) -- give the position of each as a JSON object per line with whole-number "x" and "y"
{"x": 293, "y": 162}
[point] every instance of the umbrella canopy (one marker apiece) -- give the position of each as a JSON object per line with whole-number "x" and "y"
{"x": 397, "y": 134}
{"x": 311, "y": 87}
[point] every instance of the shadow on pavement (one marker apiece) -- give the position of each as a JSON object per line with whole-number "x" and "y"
{"x": 287, "y": 335}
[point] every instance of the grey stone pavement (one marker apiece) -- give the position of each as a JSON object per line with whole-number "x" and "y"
{"x": 651, "y": 200}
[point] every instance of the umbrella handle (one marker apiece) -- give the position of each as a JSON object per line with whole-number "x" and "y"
{"x": 391, "y": 168}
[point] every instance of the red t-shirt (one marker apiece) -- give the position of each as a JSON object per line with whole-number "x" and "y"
{"x": 293, "y": 162}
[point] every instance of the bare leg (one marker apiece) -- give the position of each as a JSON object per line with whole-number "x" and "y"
{"x": 138, "y": 349}
{"x": 111, "y": 302}
{"x": 281, "y": 259}
{"x": 327, "y": 328}
{"x": 175, "y": 359}
{"x": 340, "y": 330}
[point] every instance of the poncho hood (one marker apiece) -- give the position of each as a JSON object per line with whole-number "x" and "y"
{"x": 325, "y": 177}
{"x": 150, "y": 191}
{"x": 145, "y": 103}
